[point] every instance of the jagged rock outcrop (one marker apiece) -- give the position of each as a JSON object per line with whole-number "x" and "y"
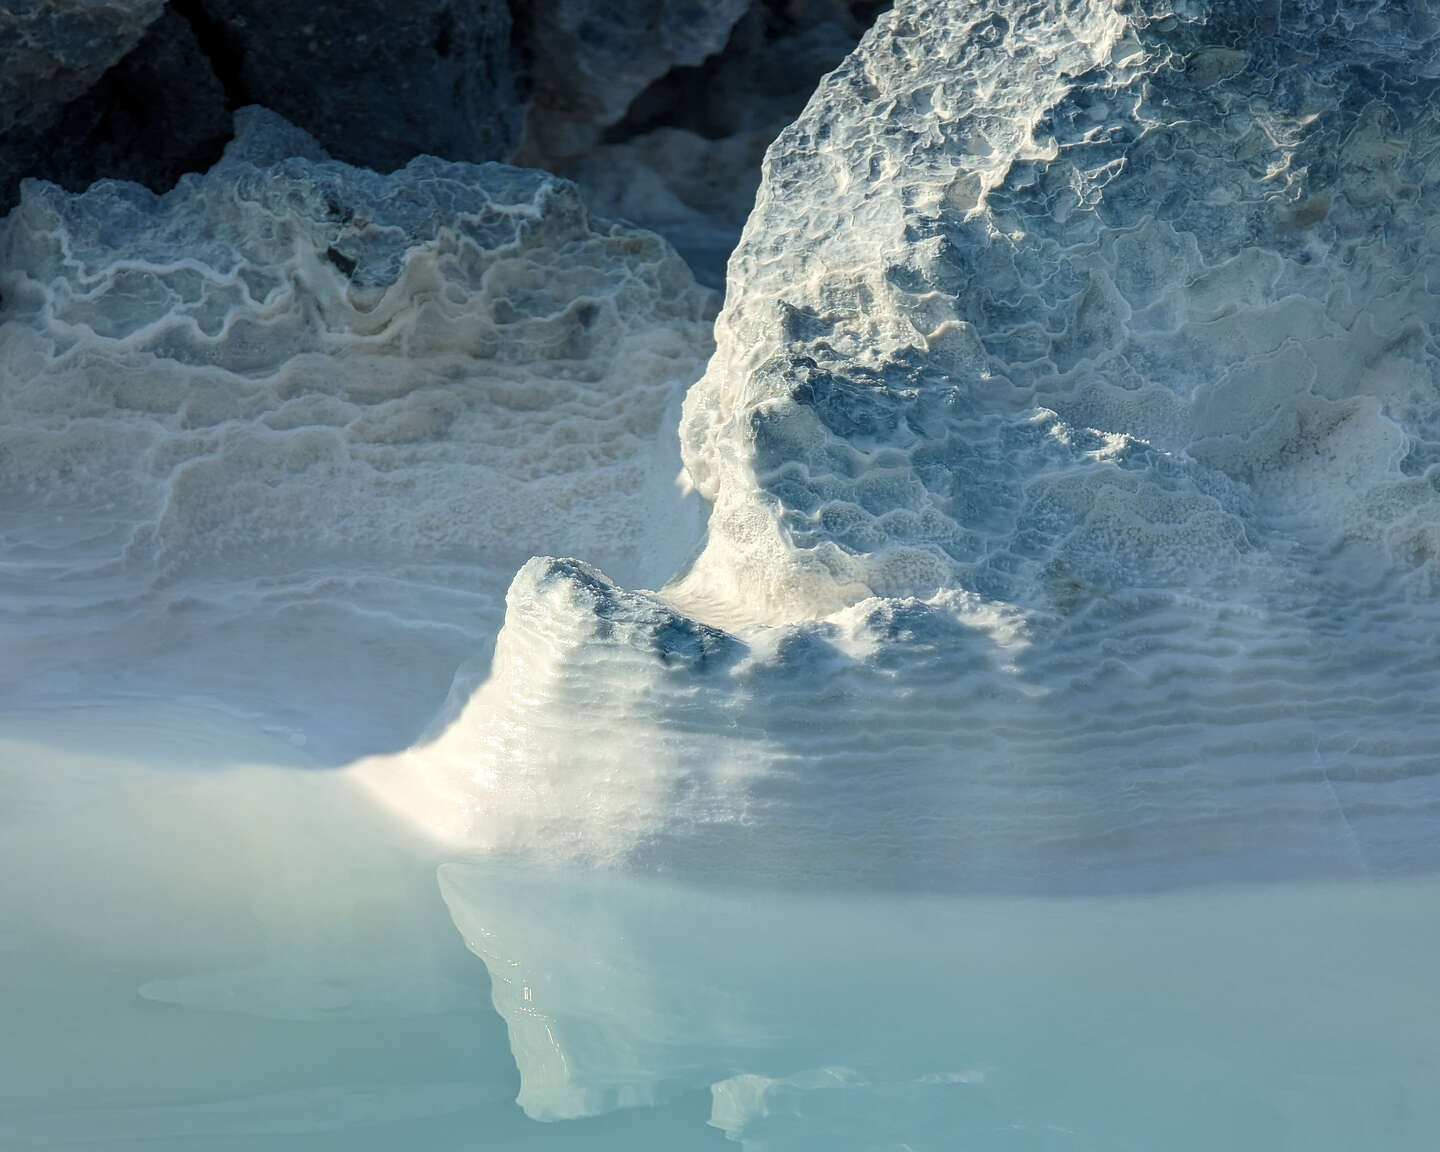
{"x": 378, "y": 84}
{"x": 1034, "y": 313}
{"x": 54, "y": 50}
{"x": 157, "y": 113}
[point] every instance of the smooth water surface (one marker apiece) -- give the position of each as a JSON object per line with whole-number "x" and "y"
{"x": 203, "y": 945}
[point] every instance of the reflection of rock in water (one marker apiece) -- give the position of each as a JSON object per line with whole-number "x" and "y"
{"x": 846, "y": 1021}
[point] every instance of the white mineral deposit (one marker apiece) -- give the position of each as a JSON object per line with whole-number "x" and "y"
{"x": 525, "y": 625}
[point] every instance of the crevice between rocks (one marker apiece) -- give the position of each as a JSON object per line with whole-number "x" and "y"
{"x": 224, "y": 56}
{"x": 687, "y": 146}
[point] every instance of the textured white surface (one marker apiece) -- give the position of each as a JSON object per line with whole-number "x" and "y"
{"x": 287, "y": 353}
{"x": 1072, "y": 440}
{"x": 1030, "y": 301}
{"x": 315, "y": 417}
{"x": 1071, "y": 437}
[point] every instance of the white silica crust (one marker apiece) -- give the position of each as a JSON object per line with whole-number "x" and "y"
{"x": 1071, "y": 438}
{"x": 1040, "y": 305}
{"x": 1071, "y": 442}
{"x": 279, "y": 438}
{"x": 287, "y": 353}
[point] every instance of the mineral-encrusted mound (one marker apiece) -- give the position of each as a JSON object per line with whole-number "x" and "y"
{"x": 1073, "y": 439}
{"x": 287, "y": 351}
{"x": 1047, "y": 309}
{"x": 314, "y": 417}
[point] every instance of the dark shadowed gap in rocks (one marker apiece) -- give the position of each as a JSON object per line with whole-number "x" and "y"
{"x": 709, "y": 100}
{"x": 222, "y": 53}
{"x": 455, "y": 78}
{"x": 684, "y": 160}
{"x": 163, "y": 110}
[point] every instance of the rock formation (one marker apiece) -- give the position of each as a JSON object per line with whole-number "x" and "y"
{"x": 1073, "y": 420}
{"x": 661, "y": 110}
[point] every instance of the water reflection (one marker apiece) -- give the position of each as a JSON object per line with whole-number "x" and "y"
{"x": 258, "y": 958}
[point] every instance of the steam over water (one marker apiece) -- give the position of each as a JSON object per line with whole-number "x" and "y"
{"x": 462, "y": 686}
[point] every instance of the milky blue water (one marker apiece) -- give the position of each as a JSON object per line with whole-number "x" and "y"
{"x": 251, "y": 956}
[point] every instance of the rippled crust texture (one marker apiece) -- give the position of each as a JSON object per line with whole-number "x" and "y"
{"x": 1053, "y": 300}
{"x": 290, "y": 355}
{"x": 1072, "y": 439}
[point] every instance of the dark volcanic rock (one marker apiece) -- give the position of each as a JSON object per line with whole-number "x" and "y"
{"x": 159, "y": 113}
{"x": 52, "y": 51}
{"x": 376, "y": 83}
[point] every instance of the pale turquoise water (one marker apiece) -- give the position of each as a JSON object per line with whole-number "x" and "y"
{"x": 198, "y": 951}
